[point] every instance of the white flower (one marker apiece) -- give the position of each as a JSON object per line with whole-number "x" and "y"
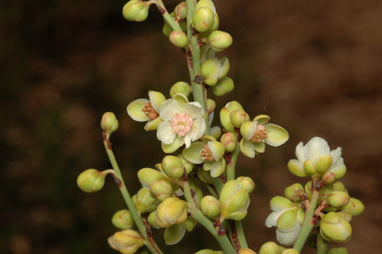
{"x": 182, "y": 123}
{"x": 316, "y": 158}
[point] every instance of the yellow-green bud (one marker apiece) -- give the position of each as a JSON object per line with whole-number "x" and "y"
{"x": 144, "y": 201}
{"x": 323, "y": 164}
{"x": 166, "y": 29}
{"x": 290, "y": 251}
{"x": 295, "y": 168}
{"x": 328, "y": 177}
{"x": 203, "y": 19}
{"x": 208, "y": 251}
{"x": 211, "y": 105}
{"x": 234, "y": 201}
{"x": 204, "y": 176}
{"x": 172, "y": 166}
{"x": 219, "y": 40}
{"x": 246, "y": 183}
{"x": 270, "y": 248}
{"x": 178, "y": 38}
{"x": 172, "y": 211}
{"x": 148, "y": 175}
{"x": 186, "y": 164}
{"x": 109, "y": 122}
{"x": 122, "y": 219}
{"x": 229, "y": 140}
{"x": 294, "y": 192}
{"x": 354, "y": 207}
{"x": 91, "y": 180}
{"x": 309, "y": 168}
{"x": 161, "y": 189}
{"x": 216, "y": 132}
{"x": 338, "y": 199}
{"x": 238, "y": 117}
{"x": 210, "y": 69}
{"x": 246, "y": 251}
{"x": 190, "y": 223}
{"x": 210, "y": 206}
{"x": 180, "y": 87}
{"x": 224, "y": 86}
{"x": 217, "y": 149}
{"x": 135, "y": 10}
{"x": 181, "y": 10}
{"x": 340, "y": 250}
{"x": 153, "y": 220}
{"x": 339, "y": 186}
{"x": 225, "y": 115}
{"x": 126, "y": 241}
{"x": 335, "y": 228}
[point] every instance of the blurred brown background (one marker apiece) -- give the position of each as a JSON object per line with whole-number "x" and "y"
{"x": 314, "y": 66}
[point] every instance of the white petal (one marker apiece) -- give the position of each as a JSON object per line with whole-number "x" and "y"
{"x": 165, "y": 133}
{"x": 336, "y": 155}
{"x": 198, "y": 129}
{"x": 169, "y": 109}
{"x": 193, "y": 109}
{"x": 272, "y": 218}
{"x": 290, "y": 237}
{"x": 315, "y": 148}
{"x": 156, "y": 99}
{"x": 300, "y": 152}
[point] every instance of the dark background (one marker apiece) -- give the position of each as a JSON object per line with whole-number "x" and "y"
{"x": 314, "y": 66}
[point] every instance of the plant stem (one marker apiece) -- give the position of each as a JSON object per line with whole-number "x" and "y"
{"x": 307, "y": 224}
{"x": 150, "y": 243}
{"x": 322, "y": 245}
{"x": 166, "y": 16}
{"x": 205, "y": 222}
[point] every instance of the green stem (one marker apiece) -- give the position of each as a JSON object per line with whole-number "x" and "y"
{"x": 205, "y": 222}
{"x": 167, "y": 17}
{"x": 241, "y": 235}
{"x": 150, "y": 243}
{"x": 307, "y": 224}
{"x": 322, "y": 245}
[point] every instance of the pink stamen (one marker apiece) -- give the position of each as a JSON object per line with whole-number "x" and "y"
{"x": 260, "y": 134}
{"x": 181, "y": 124}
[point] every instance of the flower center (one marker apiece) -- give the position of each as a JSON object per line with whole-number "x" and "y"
{"x": 260, "y": 134}
{"x": 181, "y": 124}
{"x": 150, "y": 111}
{"x": 206, "y": 154}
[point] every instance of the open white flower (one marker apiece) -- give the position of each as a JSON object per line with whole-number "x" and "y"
{"x": 182, "y": 123}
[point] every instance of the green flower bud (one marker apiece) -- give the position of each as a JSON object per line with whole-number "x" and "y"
{"x": 190, "y": 223}
{"x": 172, "y": 211}
{"x": 224, "y": 86}
{"x": 211, "y": 105}
{"x": 295, "y": 167}
{"x": 148, "y": 175}
{"x": 188, "y": 166}
{"x": 225, "y": 115}
{"x": 335, "y": 228}
{"x": 234, "y": 201}
{"x": 339, "y": 186}
{"x": 153, "y": 221}
{"x": 287, "y": 221}
{"x": 229, "y": 140}
{"x": 323, "y": 163}
{"x": 270, "y": 248}
{"x": 208, "y": 251}
{"x": 203, "y": 19}
{"x": 290, "y": 251}
{"x": 294, "y": 192}
{"x": 338, "y": 199}
{"x": 246, "y": 183}
{"x": 238, "y": 117}
{"x": 210, "y": 206}
{"x": 181, "y": 10}
{"x": 180, "y": 87}
{"x": 219, "y": 40}
{"x": 340, "y": 250}
{"x": 161, "y": 189}
{"x": 91, "y": 180}
{"x": 216, "y": 132}
{"x": 324, "y": 192}
{"x": 328, "y": 177}
{"x": 246, "y": 251}
{"x": 179, "y": 39}
{"x": 174, "y": 234}
{"x": 126, "y": 241}
{"x": 354, "y": 207}
{"x": 210, "y": 69}
{"x": 204, "y": 176}
{"x": 136, "y": 10}
{"x": 109, "y": 122}
{"x": 166, "y": 29}
{"x": 172, "y": 166}
{"x": 122, "y": 219}
{"x": 144, "y": 201}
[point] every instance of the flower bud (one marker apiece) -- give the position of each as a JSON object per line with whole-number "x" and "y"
{"x": 328, "y": 177}
{"x": 203, "y": 19}
{"x": 339, "y": 186}
{"x": 153, "y": 220}
{"x": 210, "y": 69}
{"x": 219, "y": 40}
{"x": 144, "y": 201}
{"x": 178, "y": 38}
{"x": 229, "y": 140}
{"x": 354, "y": 207}
{"x": 161, "y": 189}
{"x": 135, "y": 10}
{"x": 335, "y": 228}
{"x": 211, "y": 105}
{"x": 296, "y": 168}
{"x": 208, "y": 251}
{"x": 126, "y": 241}
{"x": 246, "y": 251}
{"x": 210, "y": 206}
{"x": 216, "y": 132}
{"x": 122, "y": 219}
{"x": 91, "y": 180}
{"x": 224, "y": 86}
{"x": 338, "y": 199}
{"x": 172, "y": 166}
{"x": 188, "y": 166}
{"x": 270, "y": 248}
{"x": 289, "y": 225}
{"x": 148, "y": 175}
{"x": 174, "y": 234}
{"x": 109, "y": 122}
{"x": 181, "y": 10}
{"x": 290, "y": 251}
{"x": 294, "y": 192}
{"x": 190, "y": 223}
{"x": 340, "y": 250}
{"x": 180, "y": 87}
{"x": 172, "y": 211}
{"x": 246, "y": 183}
{"x": 238, "y": 117}
{"x": 225, "y": 115}
{"x": 234, "y": 201}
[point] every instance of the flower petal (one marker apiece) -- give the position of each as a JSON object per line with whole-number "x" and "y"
{"x": 180, "y": 99}
{"x": 153, "y": 124}
{"x": 165, "y": 133}
{"x": 272, "y": 218}
{"x": 259, "y": 147}
{"x": 192, "y": 153}
{"x": 169, "y": 109}
{"x": 198, "y": 129}
{"x": 336, "y": 155}
{"x": 174, "y": 234}
{"x": 134, "y": 110}
{"x": 288, "y": 238}
{"x": 156, "y": 99}
{"x": 276, "y": 135}
{"x": 262, "y": 119}
{"x": 247, "y": 148}
{"x": 193, "y": 109}
{"x": 315, "y": 148}
{"x": 217, "y": 168}
{"x": 300, "y": 152}
{"x": 178, "y": 142}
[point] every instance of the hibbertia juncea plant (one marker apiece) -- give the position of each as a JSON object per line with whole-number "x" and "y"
{"x": 196, "y": 183}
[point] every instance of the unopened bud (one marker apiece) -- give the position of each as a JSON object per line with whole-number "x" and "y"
{"x": 219, "y": 40}
{"x": 148, "y": 175}
{"x": 246, "y": 183}
{"x": 224, "y": 86}
{"x": 229, "y": 140}
{"x": 290, "y": 251}
{"x": 338, "y": 199}
{"x": 109, "y": 122}
{"x": 179, "y": 39}
{"x": 294, "y": 192}
{"x": 225, "y": 115}
{"x": 172, "y": 211}
{"x": 161, "y": 189}
{"x": 135, "y": 10}
{"x": 210, "y": 69}
{"x": 210, "y": 206}
{"x": 354, "y": 207}
{"x": 216, "y": 132}
{"x": 144, "y": 201}
{"x": 335, "y": 228}
{"x": 270, "y": 248}
{"x": 238, "y": 117}
{"x": 91, "y": 180}
{"x": 234, "y": 201}
{"x": 246, "y": 251}
{"x": 180, "y": 87}
{"x": 211, "y": 105}
{"x": 126, "y": 241}
{"x": 181, "y": 10}
{"x": 172, "y": 166}
{"x": 122, "y": 219}
{"x": 203, "y": 19}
